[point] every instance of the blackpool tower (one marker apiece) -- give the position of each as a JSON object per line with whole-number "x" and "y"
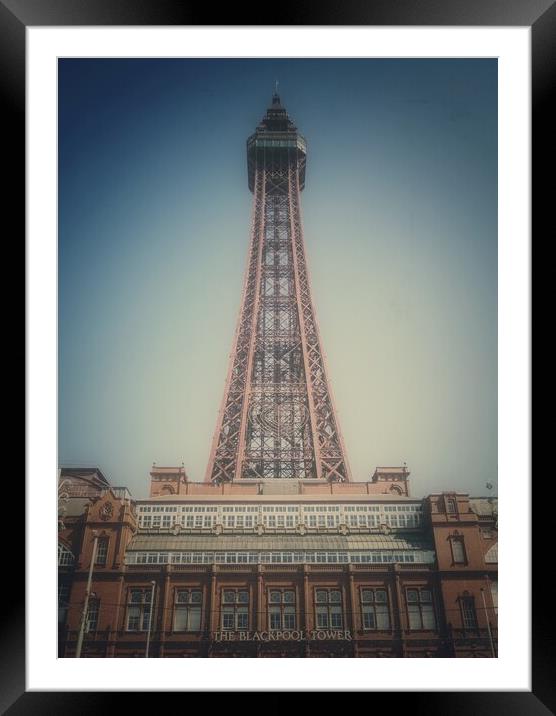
{"x": 277, "y": 418}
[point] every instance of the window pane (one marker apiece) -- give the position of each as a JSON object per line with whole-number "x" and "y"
{"x": 133, "y": 616}
{"x": 429, "y": 621}
{"x": 322, "y": 596}
{"x": 102, "y": 552}
{"x": 368, "y": 618}
{"x": 380, "y": 595}
{"x": 322, "y": 617}
{"x": 414, "y": 617}
{"x": 457, "y": 550}
{"x": 196, "y": 597}
{"x": 289, "y": 618}
{"x": 412, "y": 595}
{"x": 229, "y": 596}
{"x": 469, "y": 616}
{"x": 275, "y": 618}
{"x": 275, "y": 597}
{"x": 242, "y": 619}
{"x": 426, "y": 595}
{"x": 228, "y": 619}
{"x": 146, "y": 614}
{"x": 367, "y": 595}
{"x": 382, "y": 617}
{"x": 194, "y": 619}
{"x": 289, "y": 597}
{"x": 243, "y": 597}
{"x": 92, "y": 615}
{"x": 494, "y": 594}
{"x": 335, "y": 596}
{"x": 336, "y": 617}
{"x": 180, "y": 619}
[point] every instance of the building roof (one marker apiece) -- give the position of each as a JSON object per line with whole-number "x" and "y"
{"x": 483, "y": 506}
{"x": 216, "y": 496}
{"x": 75, "y": 506}
{"x": 84, "y": 472}
{"x": 238, "y": 542}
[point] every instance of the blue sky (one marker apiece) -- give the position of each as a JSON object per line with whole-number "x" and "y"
{"x": 400, "y": 219}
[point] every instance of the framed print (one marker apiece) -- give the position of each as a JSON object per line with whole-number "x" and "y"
{"x": 281, "y": 548}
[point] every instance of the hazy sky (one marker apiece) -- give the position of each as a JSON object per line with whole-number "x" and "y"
{"x": 400, "y": 220}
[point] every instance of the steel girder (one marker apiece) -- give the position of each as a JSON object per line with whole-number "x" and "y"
{"x": 277, "y": 418}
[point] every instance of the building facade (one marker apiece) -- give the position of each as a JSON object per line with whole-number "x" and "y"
{"x": 278, "y": 553}
{"x": 280, "y": 569}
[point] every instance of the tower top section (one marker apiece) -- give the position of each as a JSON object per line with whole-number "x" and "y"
{"x": 276, "y": 140}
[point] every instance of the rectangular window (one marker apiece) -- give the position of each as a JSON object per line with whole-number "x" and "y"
{"x": 420, "y": 610}
{"x": 65, "y": 557}
{"x": 458, "y": 550}
{"x": 235, "y": 609}
{"x": 138, "y": 609}
{"x": 187, "y": 609}
{"x": 281, "y": 609}
{"x": 91, "y": 623}
{"x": 468, "y": 613}
{"x": 328, "y": 609}
{"x": 494, "y": 595}
{"x": 374, "y": 607}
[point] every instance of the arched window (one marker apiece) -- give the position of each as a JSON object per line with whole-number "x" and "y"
{"x": 457, "y": 544}
{"x": 491, "y": 557}
{"x": 65, "y": 556}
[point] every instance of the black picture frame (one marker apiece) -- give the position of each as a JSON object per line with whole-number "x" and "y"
{"x": 539, "y": 15}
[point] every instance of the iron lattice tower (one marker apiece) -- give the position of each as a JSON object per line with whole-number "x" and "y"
{"x": 277, "y": 418}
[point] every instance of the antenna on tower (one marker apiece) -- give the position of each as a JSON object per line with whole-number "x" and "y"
{"x": 275, "y": 86}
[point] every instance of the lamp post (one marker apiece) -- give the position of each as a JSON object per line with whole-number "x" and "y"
{"x": 87, "y": 595}
{"x": 153, "y": 585}
{"x": 488, "y": 624}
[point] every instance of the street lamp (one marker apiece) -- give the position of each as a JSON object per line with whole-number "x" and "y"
{"x": 153, "y": 585}
{"x": 488, "y": 624}
{"x": 87, "y": 595}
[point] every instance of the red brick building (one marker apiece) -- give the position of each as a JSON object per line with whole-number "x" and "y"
{"x": 287, "y": 568}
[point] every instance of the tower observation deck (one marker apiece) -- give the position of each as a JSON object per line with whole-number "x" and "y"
{"x": 277, "y": 418}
